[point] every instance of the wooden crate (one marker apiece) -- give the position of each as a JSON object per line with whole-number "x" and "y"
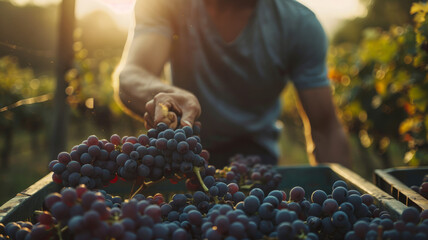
{"x": 397, "y": 182}
{"x": 310, "y": 178}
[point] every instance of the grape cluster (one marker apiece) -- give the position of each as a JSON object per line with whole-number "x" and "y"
{"x": 249, "y": 173}
{"x": 423, "y": 188}
{"x": 162, "y": 152}
{"x": 79, "y": 213}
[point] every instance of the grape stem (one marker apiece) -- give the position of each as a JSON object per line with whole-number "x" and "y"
{"x": 197, "y": 171}
{"x": 144, "y": 185}
{"x": 379, "y": 232}
{"x": 58, "y": 228}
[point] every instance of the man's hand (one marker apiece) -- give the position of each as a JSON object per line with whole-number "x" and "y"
{"x": 165, "y": 107}
{"x": 327, "y": 141}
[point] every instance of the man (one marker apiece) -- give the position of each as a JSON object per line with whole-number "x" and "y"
{"x": 230, "y": 61}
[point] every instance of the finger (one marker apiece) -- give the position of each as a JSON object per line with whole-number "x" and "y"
{"x": 188, "y": 118}
{"x": 172, "y": 117}
{"x": 150, "y": 107}
{"x": 148, "y": 121}
{"x": 161, "y": 112}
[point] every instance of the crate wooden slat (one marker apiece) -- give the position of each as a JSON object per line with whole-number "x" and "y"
{"x": 396, "y": 182}
{"x": 22, "y": 206}
{"x": 381, "y": 198}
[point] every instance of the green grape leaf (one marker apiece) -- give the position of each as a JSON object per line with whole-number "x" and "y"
{"x": 418, "y": 97}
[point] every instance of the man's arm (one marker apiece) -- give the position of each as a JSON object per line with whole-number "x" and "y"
{"x": 139, "y": 87}
{"x": 325, "y": 136}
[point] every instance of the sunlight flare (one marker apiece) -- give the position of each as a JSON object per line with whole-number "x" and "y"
{"x": 119, "y": 6}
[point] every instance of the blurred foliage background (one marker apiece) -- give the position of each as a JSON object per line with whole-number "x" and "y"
{"x": 377, "y": 65}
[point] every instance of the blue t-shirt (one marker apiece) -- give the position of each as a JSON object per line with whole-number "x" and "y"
{"x": 238, "y": 83}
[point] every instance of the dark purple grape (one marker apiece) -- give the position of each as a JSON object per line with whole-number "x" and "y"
{"x": 94, "y": 151}
{"x": 168, "y": 134}
{"x": 134, "y": 155}
{"x": 315, "y": 210}
{"x": 128, "y": 224}
{"x": 251, "y": 204}
{"x": 318, "y": 196}
{"x": 161, "y": 143}
{"x": 266, "y": 211}
{"x": 339, "y": 183}
{"x": 351, "y": 235}
{"x": 76, "y": 224}
{"x": 355, "y": 200}
{"x": 192, "y": 142}
{"x": 154, "y": 212}
{"x": 410, "y": 214}
{"x": 60, "y": 210}
{"x": 340, "y": 194}
{"x": 87, "y": 170}
{"x": 238, "y": 197}
{"x": 258, "y": 193}
{"x": 340, "y": 219}
{"x": 59, "y": 168}
{"x": 143, "y": 139}
{"x": 180, "y": 136}
{"x": 180, "y": 234}
{"x": 74, "y": 179}
{"x": 222, "y": 223}
{"x": 391, "y": 234}
{"x": 362, "y": 211}
{"x": 222, "y": 188}
{"x": 209, "y": 181}
{"x": 145, "y": 232}
{"x": 69, "y": 196}
{"x": 51, "y": 199}
{"x": 182, "y": 147}
{"x": 213, "y": 234}
{"x": 347, "y": 207}
{"x": 87, "y": 199}
{"x": 172, "y": 144}
{"x": 195, "y": 217}
{"x": 329, "y": 206}
{"x": 361, "y": 228}
{"x": 297, "y": 194}
{"x": 131, "y": 165}
{"x": 367, "y": 199}
{"x": 285, "y": 215}
{"x": 266, "y": 227}
{"x": 143, "y": 170}
{"x": 11, "y": 229}
{"x": 64, "y": 158}
{"x": 299, "y": 227}
{"x": 127, "y": 148}
{"x": 148, "y": 160}
{"x": 73, "y": 166}
{"x": 159, "y": 161}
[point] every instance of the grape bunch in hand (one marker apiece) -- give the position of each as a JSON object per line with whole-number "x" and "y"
{"x": 161, "y": 153}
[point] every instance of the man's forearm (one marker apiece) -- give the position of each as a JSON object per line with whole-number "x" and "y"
{"x": 330, "y": 145}
{"x": 137, "y": 86}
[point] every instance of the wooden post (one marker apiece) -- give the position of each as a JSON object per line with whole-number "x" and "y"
{"x": 65, "y": 56}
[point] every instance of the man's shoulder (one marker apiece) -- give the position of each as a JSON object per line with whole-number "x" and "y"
{"x": 292, "y": 9}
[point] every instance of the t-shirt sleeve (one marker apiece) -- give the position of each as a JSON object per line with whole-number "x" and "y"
{"x": 153, "y": 16}
{"x": 309, "y": 68}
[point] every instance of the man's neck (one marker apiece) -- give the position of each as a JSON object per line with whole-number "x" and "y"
{"x": 225, "y": 5}
{"x": 230, "y": 16}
